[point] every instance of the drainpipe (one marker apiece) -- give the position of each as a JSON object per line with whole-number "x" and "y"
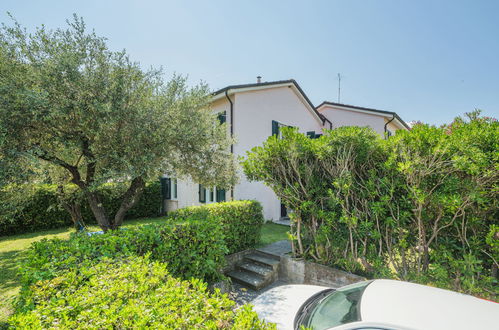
{"x": 231, "y": 132}
{"x": 386, "y": 125}
{"x": 330, "y": 123}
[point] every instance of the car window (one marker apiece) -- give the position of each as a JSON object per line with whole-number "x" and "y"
{"x": 339, "y": 307}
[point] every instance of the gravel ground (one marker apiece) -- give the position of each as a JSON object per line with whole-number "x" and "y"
{"x": 242, "y": 295}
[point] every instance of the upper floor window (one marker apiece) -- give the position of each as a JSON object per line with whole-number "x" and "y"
{"x": 313, "y": 135}
{"x": 276, "y": 127}
{"x": 222, "y": 117}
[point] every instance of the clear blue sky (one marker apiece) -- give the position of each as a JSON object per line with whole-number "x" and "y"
{"x": 427, "y": 60}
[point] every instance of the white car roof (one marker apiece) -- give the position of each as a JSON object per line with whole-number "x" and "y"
{"x": 422, "y": 307}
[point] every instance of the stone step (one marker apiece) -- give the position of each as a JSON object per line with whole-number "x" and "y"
{"x": 267, "y": 254}
{"x": 258, "y": 269}
{"x": 251, "y": 280}
{"x": 263, "y": 260}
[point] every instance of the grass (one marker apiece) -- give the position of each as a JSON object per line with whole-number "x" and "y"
{"x": 272, "y": 232}
{"x": 12, "y": 250}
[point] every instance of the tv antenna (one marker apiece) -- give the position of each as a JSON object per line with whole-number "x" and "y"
{"x": 339, "y": 87}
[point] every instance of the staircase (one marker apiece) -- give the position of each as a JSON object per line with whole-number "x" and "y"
{"x": 257, "y": 270}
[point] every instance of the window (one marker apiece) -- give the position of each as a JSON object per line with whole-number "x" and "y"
{"x": 222, "y": 117}
{"x": 202, "y": 194}
{"x": 338, "y": 307}
{"x": 168, "y": 188}
{"x": 276, "y": 127}
{"x": 311, "y": 134}
{"x": 220, "y": 195}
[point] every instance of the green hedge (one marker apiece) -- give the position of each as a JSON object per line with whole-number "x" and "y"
{"x": 27, "y": 210}
{"x": 133, "y": 293}
{"x": 241, "y": 221}
{"x": 191, "y": 249}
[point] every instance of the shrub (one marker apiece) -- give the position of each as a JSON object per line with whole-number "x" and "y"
{"x": 241, "y": 221}
{"x": 418, "y": 206}
{"x": 133, "y": 293}
{"x": 191, "y": 249}
{"x": 37, "y": 207}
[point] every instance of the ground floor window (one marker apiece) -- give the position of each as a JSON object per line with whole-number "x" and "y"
{"x": 169, "y": 188}
{"x": 220, "y": 195}
{"x": 284, "y": 211}
{"x": 202, "y": 194}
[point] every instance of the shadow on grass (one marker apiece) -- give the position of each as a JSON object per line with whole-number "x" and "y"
{"x": 35, "y": 234}
{"x": 9, "y": 266}
{"x": 9, "y": 282}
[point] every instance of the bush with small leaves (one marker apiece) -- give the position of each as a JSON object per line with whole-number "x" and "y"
{"x": 129, "y": 293}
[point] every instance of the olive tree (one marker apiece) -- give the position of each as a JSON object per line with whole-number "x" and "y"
{"x": 68, "y": 102}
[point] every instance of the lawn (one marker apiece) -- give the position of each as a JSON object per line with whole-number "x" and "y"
{"x": 272, "y": 232}
{"x": 12, "y": 252}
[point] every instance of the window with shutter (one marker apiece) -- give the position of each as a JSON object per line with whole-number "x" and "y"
{"x": 220, "y": 195}
{"x": 166, "y": 188}
{"x": 202, "y": 194}
{"x": 222, "y": 117}
{"x": 275, "y": 128}
{"x": 311, "y": 134}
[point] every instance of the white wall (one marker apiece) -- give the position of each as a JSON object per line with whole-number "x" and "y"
{"x": 253, "y": 115}
{"x": 187, "y": 190}
{"x": 340, "y": 117}
{"x": 254, "y": 112}
{"x": 344, "y": 117}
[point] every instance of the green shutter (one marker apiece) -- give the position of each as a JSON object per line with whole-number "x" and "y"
{"x": 166, "y": 188}
{"x": 202, "y": 194}
{"x": 175, "y": 188}
{"x": 211, "y": 195}
{"x": 222, "y": 117}
{"x": 220, "y": 195}
{"x": 275, "y": 128}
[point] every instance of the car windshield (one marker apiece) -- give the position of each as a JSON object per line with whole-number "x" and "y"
{"x": 339, "y": 307}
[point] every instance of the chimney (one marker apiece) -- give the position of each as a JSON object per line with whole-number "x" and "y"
{"x": 258, "y": 79}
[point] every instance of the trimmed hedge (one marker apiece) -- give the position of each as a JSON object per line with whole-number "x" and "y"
{"x": 190, "y": 249}
{"x": 133, "y": 293}
{"x": 241, "y": 221}
{"x": 39, "y": 208}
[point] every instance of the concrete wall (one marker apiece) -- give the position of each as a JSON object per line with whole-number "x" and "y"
{"x": 294, "y": 271}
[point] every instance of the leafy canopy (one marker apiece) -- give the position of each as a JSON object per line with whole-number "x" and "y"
{"x": 68, "y": 101}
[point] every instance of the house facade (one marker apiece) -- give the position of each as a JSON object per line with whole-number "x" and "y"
{"x": 253, "y": 112}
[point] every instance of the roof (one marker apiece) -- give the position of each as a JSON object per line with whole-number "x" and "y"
{"x": 354, "y": 107}
{"x": 418, "y": 306}
{"x": 288, "y": 82}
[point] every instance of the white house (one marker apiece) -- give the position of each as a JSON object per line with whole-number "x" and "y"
{"x": 254, "y": 112}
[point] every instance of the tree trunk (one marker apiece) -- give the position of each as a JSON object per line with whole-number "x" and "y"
{"x": 130, "y": 198}
{"x": 73, "y": 207}
{"x": 98, "y": 210}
